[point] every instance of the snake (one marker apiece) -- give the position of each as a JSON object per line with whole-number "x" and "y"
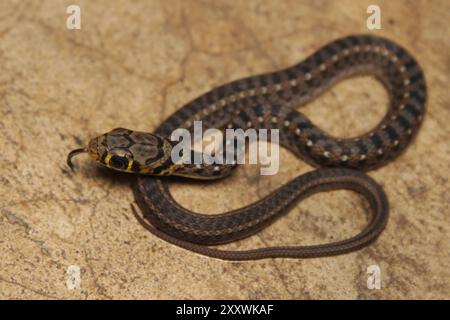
{"x": 270, "y": 101}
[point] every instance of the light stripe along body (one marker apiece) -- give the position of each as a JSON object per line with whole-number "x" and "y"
{"x": 269, "y": 101}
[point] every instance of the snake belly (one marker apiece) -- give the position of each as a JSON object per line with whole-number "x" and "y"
{"x": 269, "y": 101}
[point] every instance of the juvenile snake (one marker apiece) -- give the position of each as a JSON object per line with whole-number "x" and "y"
{"x": 269, "y": 101}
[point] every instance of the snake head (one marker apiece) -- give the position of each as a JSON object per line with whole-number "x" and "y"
{"x": 127, "y": 150}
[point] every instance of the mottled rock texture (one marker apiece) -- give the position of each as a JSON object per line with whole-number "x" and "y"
{"x": 134, "y": 63}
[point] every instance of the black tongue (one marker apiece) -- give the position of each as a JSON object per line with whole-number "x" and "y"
{"x": 72, "y": 154}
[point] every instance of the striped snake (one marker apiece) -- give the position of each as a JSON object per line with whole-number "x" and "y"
{"x": 268, "y": 101}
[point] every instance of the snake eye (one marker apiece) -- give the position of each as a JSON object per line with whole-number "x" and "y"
{"x": 118, "y": 162}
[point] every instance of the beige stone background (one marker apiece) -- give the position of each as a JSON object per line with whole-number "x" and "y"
{"x": 132, "y": 64}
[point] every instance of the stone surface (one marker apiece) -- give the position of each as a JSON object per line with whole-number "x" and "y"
{"x": 133, "y": 64}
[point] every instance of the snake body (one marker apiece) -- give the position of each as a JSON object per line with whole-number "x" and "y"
{"x": 268, "y": 101}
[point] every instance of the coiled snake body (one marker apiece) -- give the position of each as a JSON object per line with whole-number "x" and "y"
{"x": 268, "y": 101}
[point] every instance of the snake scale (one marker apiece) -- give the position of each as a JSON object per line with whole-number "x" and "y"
{"x": 269, "y": 101}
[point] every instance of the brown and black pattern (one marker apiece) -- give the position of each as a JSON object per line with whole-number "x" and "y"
{"x": 132, "y": 151}
{"x": 270, "y": 101}
{"x": 270, "y": 95}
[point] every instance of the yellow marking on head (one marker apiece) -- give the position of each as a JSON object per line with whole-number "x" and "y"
{"x": 164, "y": 173}
{"x": 107, "y": 159}
{"x": 169, "y": 170}
{"x": 130, "y": 163}
{"x": 146, "y": 169}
